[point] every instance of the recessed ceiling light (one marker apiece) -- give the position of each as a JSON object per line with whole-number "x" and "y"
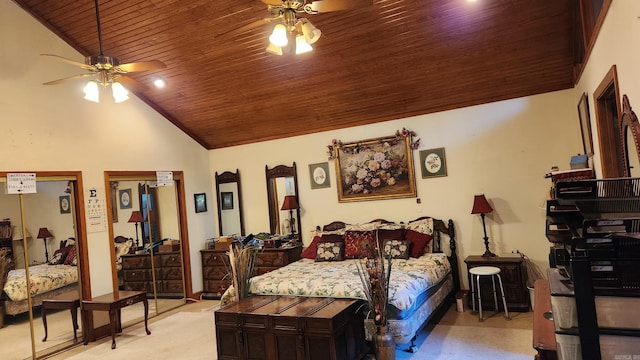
{"x": 159, "y": 83}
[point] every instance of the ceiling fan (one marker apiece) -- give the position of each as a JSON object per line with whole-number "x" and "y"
{"x": 295, "y": 33}
{"x": 107, "y": 71}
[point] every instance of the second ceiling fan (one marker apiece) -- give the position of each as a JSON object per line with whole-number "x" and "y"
{"x": 107, "y": 71}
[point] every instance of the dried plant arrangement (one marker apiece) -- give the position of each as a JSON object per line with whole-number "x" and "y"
{"x": 242, "y": 259}
{"x": 375, "y": 273}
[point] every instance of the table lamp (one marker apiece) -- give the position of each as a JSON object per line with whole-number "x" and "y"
{"x": 481, "y": 206}
{"x": 43, "y": 234}
{"x": 136, "y": 217}
{"x": 290, "y": 203}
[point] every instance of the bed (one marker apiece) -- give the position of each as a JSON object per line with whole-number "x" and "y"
{"x": 58, "y": 276}
{"x": 419, "y": 286}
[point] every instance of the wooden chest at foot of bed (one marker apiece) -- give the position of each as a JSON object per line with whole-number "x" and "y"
{"x": 287, "y": 327}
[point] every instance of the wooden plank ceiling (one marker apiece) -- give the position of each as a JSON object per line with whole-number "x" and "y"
{"x": 389, "y": 60}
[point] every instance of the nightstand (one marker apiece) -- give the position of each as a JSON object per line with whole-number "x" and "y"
{"x": 514, "y": 279}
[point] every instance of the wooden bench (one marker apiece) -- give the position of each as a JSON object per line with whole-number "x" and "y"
{"x": 544, "y": 335}
{"x": 289, "y": 327}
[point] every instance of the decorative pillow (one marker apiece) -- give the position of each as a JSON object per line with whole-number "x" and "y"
{"x": 58, "y": 256}
{"x": 419, "y": 242}
{"x": 359, "y": 244}
{"x": 391, "y": 226}
{"x": 424, "y": 226}
{"x": 71, "y": 256}
{"x": 398, "y": 249}
{"x": 311, "y": 250}
{"x": 383, "y": 234}
{"x": 330, "y": 251}
{"x": 362, "y": 227}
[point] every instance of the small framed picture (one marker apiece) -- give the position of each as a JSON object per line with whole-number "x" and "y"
{"x": 433, "y": 163}
{"x": 585, "y": 125}
{"x": 319, "y": 175}
{"x": 227, "y": 200}
{"x": 200, "y": 201}
{"x": 65, "y": 204}
{"x": 125, "y": 198}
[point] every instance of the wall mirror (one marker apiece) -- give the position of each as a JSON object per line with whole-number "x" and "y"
{"x": 42, "y": 237}
{"x": 230, "y": 216}
{"x": 149, "y": 241}
{"x": 283, "y": 200}
{"x": 630, "y": 136}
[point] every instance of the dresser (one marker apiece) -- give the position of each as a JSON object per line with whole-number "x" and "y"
{"x": 137, "y": 273}
{"x": 216, "y": 271}
{"x": 514, "y": 277}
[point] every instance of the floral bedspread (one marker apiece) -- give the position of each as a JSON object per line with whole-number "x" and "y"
{"x": 340, "y": 279}
{"x": 43, "y": 278}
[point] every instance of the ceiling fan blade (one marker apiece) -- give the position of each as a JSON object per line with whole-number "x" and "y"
{"x": 55, "y": 82}
{"x": 272, "y": 2}
{"x": 72, "y": 62}
{"x": 131, "y": 84}
{"x": 337, "y": 5}
{"x": 142, "y": 66}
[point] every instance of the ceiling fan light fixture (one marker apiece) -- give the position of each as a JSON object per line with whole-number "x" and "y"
{"x": 120, "y": 94}
{"x": 279, "y": 36}
{"x": 159, "y": 83}
{"x": 92, "y": 92}
{"x": 275, "y": 50}
{"x": 301, "y": 45}
{"x": 311, "y": 33}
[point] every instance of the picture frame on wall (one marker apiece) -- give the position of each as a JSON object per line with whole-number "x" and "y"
{"x": 433, "y": 163}
{"x": 65, "y": 204}
{"x": 200, "y": 201}
{"x": 585, "y": 125}
{"x": 227, "y": 200}
{"x": 124, "y": 197}
{"x": 319, "y": 175}
{"x": 375, "y": 169}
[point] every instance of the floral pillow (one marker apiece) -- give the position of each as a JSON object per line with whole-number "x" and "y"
{"x": 398, "y": 249}
{"x": 362, "y": 227}
{"x": 424, "y": 226}
{"x": 330, "y": 251}
{"x": 384, "y": 234}
{"x": 359, "y": 244}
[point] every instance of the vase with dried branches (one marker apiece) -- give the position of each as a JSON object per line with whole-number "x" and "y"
{"x": 375, "y": 273}
{"x": 242, "y": 259}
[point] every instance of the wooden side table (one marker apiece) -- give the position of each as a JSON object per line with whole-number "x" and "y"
{"x": 63, "y": 301}
{"x": 113, "y": 303}
{"x": 514, "y": 277}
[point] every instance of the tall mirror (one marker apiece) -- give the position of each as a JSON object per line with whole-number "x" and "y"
{"x": 283, "y": 200}
{"x": 148, "y": 241}
{"x": 39, "y": 239}
{"x": 230, "y": 220}
{"x": 630, "y": 136}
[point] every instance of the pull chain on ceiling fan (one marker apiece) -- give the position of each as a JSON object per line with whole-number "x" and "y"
{"x": 107, "y": 71}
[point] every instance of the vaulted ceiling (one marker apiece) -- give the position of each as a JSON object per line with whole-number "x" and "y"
{"x": 388, "y": 60}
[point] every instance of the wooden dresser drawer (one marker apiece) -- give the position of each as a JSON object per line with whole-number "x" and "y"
{"x": 214, "y": 259}
{"x": 173, "y": 286}
{"x": 136, "y": 275}
{"x": 217, "y": 287}
{"x": 170, "y": 260}
{"x": 172, "y": 273}
{"x": 136, "y": 262}
{"x": 215, "y": 272}
{"x": 272, "y": 258}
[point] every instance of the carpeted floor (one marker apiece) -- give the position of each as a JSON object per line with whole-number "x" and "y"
{"x": 188, "y": 333}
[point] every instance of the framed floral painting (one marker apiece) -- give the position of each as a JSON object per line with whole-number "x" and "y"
{"x": 374, "y": 169}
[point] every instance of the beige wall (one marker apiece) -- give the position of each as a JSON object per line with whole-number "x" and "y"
{"x": 616, "y": 45}
{"x": 501, "y": 149}
{"x": 53, "y": 128}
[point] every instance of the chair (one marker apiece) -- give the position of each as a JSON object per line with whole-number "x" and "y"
{"x": 494, "y": 272}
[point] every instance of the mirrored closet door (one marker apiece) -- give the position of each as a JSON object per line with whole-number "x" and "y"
{"x": 149, "y": 241}
{"x": 40, "y": 241}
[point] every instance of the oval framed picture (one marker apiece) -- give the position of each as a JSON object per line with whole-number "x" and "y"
{"x": 433, "y": 163}
{"x": 319, "y": 175}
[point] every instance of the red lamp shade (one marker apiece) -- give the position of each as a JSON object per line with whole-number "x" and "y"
{"x": 136, "y": 217}
{"x": 290, "y": 203}
{"x": 44, "y": 233}
{"x": 481, "y": 205}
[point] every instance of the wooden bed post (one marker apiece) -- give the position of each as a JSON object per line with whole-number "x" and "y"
{"x": 454, "y": 257}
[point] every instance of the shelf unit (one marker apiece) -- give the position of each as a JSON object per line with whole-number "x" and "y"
{"x": 6, "y": 239}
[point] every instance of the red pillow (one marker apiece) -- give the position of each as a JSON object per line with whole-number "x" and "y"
{"x": 358, "y": 244}
{"x": 312, "y": 249}
{"x": 418, "y": 242}
{"x": 71, "y": 256}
